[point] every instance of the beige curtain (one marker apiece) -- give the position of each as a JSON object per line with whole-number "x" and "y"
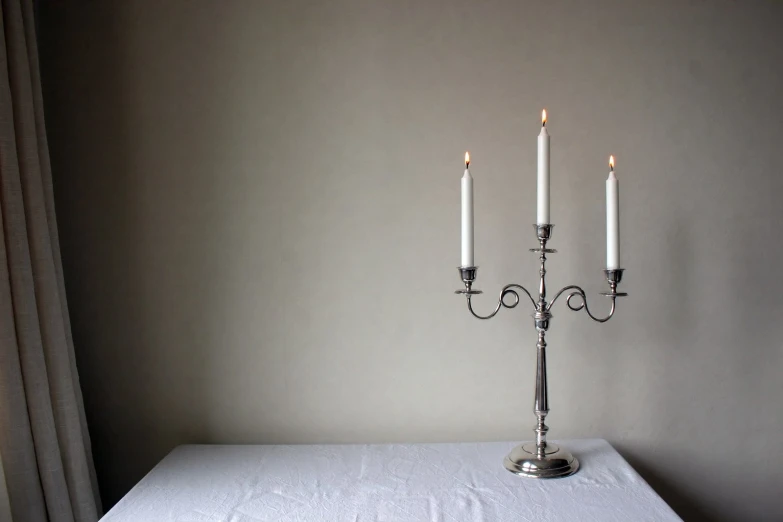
{"x": 44, "y": 444}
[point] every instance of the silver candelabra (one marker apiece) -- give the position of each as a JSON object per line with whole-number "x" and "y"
{"x": 542, "y": 459}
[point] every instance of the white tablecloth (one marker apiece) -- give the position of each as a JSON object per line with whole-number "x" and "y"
{"x": 400, "y": 482}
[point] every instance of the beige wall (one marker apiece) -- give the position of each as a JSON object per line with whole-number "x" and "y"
{"x": 259, "y": 207}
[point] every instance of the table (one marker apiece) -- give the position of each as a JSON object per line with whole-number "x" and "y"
{"x": 395, "y": 482}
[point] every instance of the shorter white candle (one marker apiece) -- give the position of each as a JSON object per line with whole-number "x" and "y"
{"x": 542, "y": 215}
{"x": 612, "y": 218}
{"x": 467, "y": 215}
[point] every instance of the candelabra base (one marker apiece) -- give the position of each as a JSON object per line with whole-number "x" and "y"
{"x": 525, "y": 461}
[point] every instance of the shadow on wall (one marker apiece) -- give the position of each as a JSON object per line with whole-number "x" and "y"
{"x": 113, "y": 248}
{"x": 683, "y": 504}
{"x": 676, "y": 316}
{"x": 682, "y": 322}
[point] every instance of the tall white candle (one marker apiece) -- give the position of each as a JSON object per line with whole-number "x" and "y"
{"x": 612, "y": 218}
{"x": 542, "y": 215}
{"x": 467, "y": 215}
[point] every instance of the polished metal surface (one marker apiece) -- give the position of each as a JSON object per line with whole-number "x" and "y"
{"x": 544, "y": 234}
{"x": 507, "y": 290}
{"x": 526, "y": 461}
{"x": 544, "y": 231}
{"x": 613, "y": 277}
{"x": 541, "y": 459}
{"x": 468, "y": 274}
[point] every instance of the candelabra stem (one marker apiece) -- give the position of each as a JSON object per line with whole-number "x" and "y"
{"x": 541, "y": 404}
{"x": 541, "y": 459}
{"x": 542, "y": 273}
{"x": 541, "y": 317}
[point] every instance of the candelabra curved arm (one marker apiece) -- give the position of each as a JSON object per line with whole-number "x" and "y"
{"x": 510, "y": 289}
{"x": 577, "y": 291}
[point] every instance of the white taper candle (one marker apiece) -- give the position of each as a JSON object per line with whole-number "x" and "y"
{"x": 467, "y": 215}
{"x": 542, "y": 215}
{"x": 612, "y": 218}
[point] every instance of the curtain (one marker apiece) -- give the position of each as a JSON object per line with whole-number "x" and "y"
{"x": 44, "y": 443}
{"x": 5, "y": 506}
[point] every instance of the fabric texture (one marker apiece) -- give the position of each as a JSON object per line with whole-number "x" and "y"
{"x": 404, "y": 482}
{"x": 44, "y": 444}
{"x": 5, "y": 506}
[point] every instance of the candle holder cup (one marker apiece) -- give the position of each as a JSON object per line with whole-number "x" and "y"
{"x": 541, "y": 459}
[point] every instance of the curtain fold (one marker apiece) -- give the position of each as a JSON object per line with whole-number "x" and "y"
{"x": 44, "y": 443}
{"x": 5, "y": 506}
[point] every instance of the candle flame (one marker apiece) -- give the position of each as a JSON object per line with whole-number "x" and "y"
{"x": 611, "y": 162}
{"x": 543, "y": 117}
{"x": 467, "y": 159}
